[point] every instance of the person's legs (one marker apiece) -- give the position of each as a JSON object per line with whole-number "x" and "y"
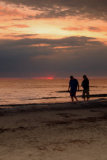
{"x": 83, "y": 95}
{"x": 72, "y": 96}
{"x": 75, "y": 97}
{"x": 72, "y": 99}
{"x": 87, "y": 92}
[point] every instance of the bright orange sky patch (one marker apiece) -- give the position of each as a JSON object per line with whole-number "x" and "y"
{"x": 50, "y": 78}
{"x": 15, "y": 20}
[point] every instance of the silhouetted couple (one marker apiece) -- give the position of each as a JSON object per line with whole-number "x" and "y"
{"x": 74, "y": 86}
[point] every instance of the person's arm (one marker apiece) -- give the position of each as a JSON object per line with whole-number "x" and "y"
{"x": 82, "y": 84}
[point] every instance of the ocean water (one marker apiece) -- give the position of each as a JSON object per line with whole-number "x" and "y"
{"x": 29, "y": 91}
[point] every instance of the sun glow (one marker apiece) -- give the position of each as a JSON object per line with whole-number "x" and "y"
{"x": 50, "y": 78}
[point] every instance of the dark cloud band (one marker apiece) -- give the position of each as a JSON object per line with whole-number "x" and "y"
{"x": 21, "y": 58}
{"x": 96, "y": 9}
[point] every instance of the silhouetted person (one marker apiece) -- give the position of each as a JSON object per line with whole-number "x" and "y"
{"x": 73, "y": 84}
{"x": 85, "y": 85}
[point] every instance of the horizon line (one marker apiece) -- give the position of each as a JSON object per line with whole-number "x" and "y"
{"x": 51, "y": 78}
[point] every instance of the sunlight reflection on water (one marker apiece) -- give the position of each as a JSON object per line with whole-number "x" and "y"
{"x": 25, "y": 91}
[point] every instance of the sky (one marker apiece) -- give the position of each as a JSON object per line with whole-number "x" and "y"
{"x": 53, "y": 38}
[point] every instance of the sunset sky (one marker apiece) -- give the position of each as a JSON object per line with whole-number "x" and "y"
{"x": 53, "y": 38}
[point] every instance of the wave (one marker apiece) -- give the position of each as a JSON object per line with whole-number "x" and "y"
{"x": 97, "y": 95}
{"x": 93, "y": 95}
{"x": 98, "y": 86}
{"x": 67, "y": 91}
{"x": 44, "y": 98}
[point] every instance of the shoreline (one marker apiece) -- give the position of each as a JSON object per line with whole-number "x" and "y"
{"x": 93, "y": 97}
{"x": 54, "y": 131}
{"x": 13, "y": 106}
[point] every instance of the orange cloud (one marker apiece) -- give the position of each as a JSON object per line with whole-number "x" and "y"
{"x": 90, "y": 28}
{"x": 15, "y": 11}
{"x": 3, "y": 27}
{"x": 73, "y": 29}
{"x": 97, "y": 29}
{"x": 10, "y": 12}
{"x": 17, "y": 25}
{"x": 21, "y": 26}
{"x": 94, "y": 29}
{"x": 41, "y": 45}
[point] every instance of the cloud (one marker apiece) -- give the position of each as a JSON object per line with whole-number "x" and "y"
{"x": 21, "y": 35}
{"x": 60, "y": 8}
{"x": 21, "y": 26}
{"x": 82, "y": 28}
{"x": 73, "y": 28}
{"x": 17, "y": 25}
{"x": 38, "y": 46}
{"x": 97, "y": 29}
{"x": 28, "y": 57}
{"x": 3, "y": 27}
{"x": 6, "y": 11}
{"x": 94, "y": 29}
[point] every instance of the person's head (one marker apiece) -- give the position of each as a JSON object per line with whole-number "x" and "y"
{"x": 71, "y": 77}
{"x": 84, "y": 76}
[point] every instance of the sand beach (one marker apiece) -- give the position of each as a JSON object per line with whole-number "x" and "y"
{"x": 55, "y": 131}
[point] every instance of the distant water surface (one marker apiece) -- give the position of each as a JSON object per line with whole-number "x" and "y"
{"x": 28, "y": 91}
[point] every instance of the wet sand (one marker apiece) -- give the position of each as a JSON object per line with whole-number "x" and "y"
{"x": 61, "y": 131}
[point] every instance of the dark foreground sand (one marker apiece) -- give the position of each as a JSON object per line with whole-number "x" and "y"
{"x": 54, "y": 132}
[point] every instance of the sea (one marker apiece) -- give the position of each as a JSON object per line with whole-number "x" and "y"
{"x": 42, "y": 91}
